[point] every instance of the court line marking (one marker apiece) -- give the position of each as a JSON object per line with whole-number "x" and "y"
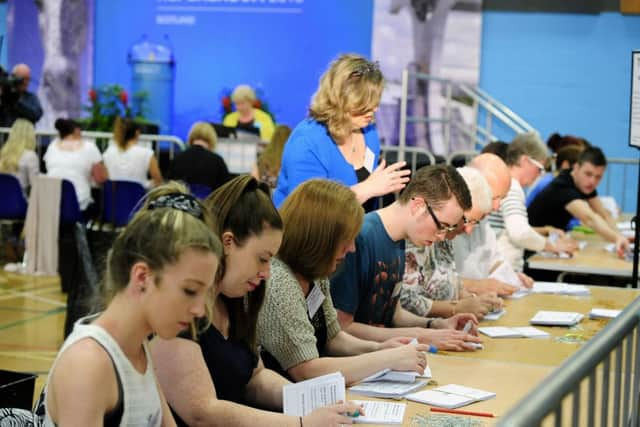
{"x": 23, "y": 321}
{"x": 32, "y": 295}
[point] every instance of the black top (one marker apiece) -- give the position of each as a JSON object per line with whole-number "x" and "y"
{"x": 319, "y": 323}
{"x": 371, "y": 204}
{"x": 197, "y": 165}
{"x": 548, "y": 207}
{"x": 230, "y": 365}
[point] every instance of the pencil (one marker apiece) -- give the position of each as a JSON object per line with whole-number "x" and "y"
{"x": 461, "y": 412}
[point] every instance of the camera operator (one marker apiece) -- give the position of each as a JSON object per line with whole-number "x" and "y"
{"x": 16, "y": 101}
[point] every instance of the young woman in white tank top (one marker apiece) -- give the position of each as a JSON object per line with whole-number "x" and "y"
{"x": 160, "y": 269}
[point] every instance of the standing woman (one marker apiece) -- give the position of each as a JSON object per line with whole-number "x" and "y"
{"x": 217, "y": 378}
{"x": 298, "y": 326}
{"x": 339, "y": 139}
{"x": 18, "y": 156}
{"x": 159, "y": 271}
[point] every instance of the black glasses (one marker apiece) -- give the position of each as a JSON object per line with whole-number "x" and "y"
{"x": 442, "y": 229}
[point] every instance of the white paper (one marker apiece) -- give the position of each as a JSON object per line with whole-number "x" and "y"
{"x": 512, "y": 332}
{"x": 386, "y": 388}
{"x": 301, "y": 398}
{"x": 450, "y": 396}
{"x": 380, "y": 412}
{"x": 560, "y": 288}
{"x": 461, "y": 390}
{"x": 603, "y": 313}
{"x": 314, "y": 300}
{"x": 495, "y": 315}
{"x": 556, "y": 318}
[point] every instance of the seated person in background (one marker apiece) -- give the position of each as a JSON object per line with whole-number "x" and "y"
{"x": 128, "y": 161}
{"x": 213, "y": 375}
{"x": 479, "y": 260}
{"x": 573, "y": 194}
{"x": 72, "y": 158}
{"x": 298, "y": 326}
{"x": 268, "y": 166}
{"x": 339, "y": 139}
{"x": 366, "y": 289}
{"x": 438, "y": 291}
{"x": 198, "y": 164}
{"x": 18, "y": 156}
{"x": 247, "y": 115}
{"x": 526, "y": 156}
{"x": 499, "y": 148}
{"x": 566, "y": 153}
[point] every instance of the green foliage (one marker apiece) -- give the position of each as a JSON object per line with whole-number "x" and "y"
{"x": 110, "y": 101}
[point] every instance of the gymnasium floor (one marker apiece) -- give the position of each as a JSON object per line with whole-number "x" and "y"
{"x": 32, "y": 312}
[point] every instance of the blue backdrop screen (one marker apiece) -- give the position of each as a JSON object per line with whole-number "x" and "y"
{"x": 280, "y": 47}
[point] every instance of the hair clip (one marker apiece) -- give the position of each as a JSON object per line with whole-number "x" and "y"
{"x": 366, "y": 68}
{"x": 180, "y": 201}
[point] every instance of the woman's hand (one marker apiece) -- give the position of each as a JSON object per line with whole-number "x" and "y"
{"x": 383, "y": 180}
{"x": 332, "y": 415}
{"x": 412, "y": 358}
{"x": 395, "y": 342}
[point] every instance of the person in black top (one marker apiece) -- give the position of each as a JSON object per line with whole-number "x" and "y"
{"x": 573, "y": 194}
{"x": 211, "y": 377}
{"x": 16, "y": 101}
{"x": 198, "y": 164}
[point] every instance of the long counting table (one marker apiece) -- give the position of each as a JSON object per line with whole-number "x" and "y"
{"x": 512, "y": 367}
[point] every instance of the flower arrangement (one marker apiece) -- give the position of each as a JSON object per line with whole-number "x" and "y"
{"x": 226, "y": 105}
{"x": 110, "y": 101}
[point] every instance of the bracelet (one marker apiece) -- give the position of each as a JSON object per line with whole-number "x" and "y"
{"x": 429, "y": 322}
{"x": 301, "y": 422}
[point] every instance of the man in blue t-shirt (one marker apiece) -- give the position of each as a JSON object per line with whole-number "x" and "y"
{"x": 366, "y": 288}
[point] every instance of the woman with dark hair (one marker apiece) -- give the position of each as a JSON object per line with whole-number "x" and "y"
{"x": 126, "y": 160}
{"x": 72, "y": 158}
{"x": 210, "y": 378}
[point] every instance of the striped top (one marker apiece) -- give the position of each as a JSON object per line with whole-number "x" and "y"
{"x": 512, "y": 228}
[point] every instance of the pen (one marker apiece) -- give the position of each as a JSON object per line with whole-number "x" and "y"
{"x": 461, "y": 412}
{"x": 433, "y": 349}
{"x": 467, "y": 327}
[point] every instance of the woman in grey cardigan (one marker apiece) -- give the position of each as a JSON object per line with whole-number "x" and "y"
{"x": 297, "y": 326}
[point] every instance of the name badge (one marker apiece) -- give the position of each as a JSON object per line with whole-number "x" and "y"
{"x": 314, "y": 300}
{"x": 368, "y": 159}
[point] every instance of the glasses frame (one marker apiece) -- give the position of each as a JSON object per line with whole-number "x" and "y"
{"x": 536, "y": 163}
{"x": 442, "y": 229}
{"x": 470, "y": 222}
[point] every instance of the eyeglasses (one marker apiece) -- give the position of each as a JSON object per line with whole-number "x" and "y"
{"x": 536, "y": 163}
{"x": 442, "y": 229}
{"x": 470, "y": 221}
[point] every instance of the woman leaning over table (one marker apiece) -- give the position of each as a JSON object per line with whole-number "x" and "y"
{"x": 339, "y": 139}
{"x": 216, "y": 377}
{"x": 298, "y": 326}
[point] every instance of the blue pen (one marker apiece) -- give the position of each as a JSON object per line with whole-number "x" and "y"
{"x": 433, "y": 349}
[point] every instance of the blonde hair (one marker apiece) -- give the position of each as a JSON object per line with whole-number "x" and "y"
{"x": 22, "y": 137}
{"x": 351, "y": 85}
{"x": 243, "y": 93}
{"x": 319, "y": 216}
{"x": 204, "y": 132}
{"x": 271, "y": 158}
{"x": 526, "y": 144}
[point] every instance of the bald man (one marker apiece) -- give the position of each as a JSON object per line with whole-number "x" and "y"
{"x": 17, "y": 102}
{"x": 482, "y": 266}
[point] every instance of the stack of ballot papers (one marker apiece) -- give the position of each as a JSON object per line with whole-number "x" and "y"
{"x": 495, "y": 315}
{"x": 390, "y": 389}
{"x": 450, "y": 396}
{"x": 390, "y": 413}
{"x": 560, "y": 288}
{"x": 300, "y": 399}
{"x": 397, "y": 376}
{"x": 556, "y": 318}
{"x": 512, "y": 332}
{"x": 626, "y": 229}
{"x": 603, "y": 313}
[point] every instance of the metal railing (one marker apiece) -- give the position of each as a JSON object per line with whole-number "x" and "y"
{"x": 485, "y": 110}
{"x": 170, "y": 143}
{"x": 621, "y": 182}
{"x": 613, "y": 357}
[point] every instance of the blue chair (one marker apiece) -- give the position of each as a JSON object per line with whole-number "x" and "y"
{"x": 14, "y": 204}
{"x": 120, "y": 200}
{"x": 201, "y": 191}
{"x": 69, "y": 208}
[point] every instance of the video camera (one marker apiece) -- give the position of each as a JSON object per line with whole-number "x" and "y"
{"x": 9, "y": 87}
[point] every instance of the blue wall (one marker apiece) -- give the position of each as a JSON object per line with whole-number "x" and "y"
{"x": 564, "y": 72}
{"x": 282, "y": 53}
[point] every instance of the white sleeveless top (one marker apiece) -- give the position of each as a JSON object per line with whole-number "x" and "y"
{"x": 130, "y": 165}
{"x": 141, "y": 399}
